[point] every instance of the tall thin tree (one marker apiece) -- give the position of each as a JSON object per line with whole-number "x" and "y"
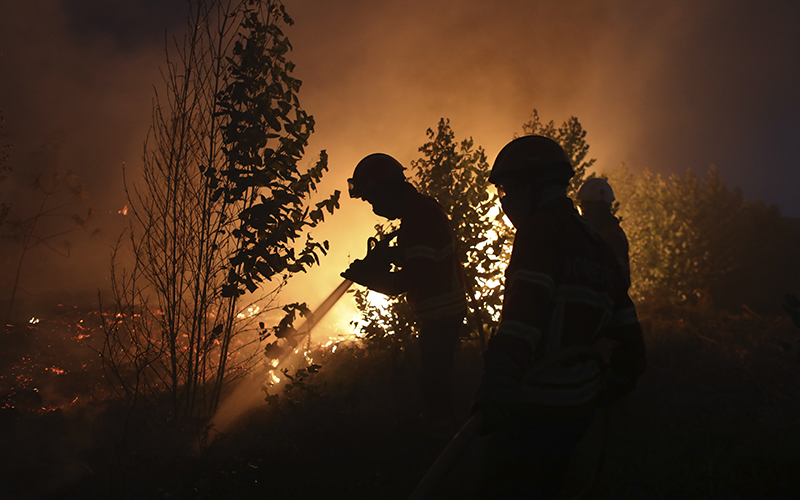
{"x": 222, "y": 203}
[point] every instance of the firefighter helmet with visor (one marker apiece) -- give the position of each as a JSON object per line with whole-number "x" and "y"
{"x": 373, "y": 170}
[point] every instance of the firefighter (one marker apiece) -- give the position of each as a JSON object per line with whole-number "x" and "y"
{"x": 595, "y": 197}
{"x": 426, "y": 269}
{"x": 563, "y": 290}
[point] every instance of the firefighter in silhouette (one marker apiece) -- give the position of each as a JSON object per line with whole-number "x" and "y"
{"x": 542, "y": 379}
{"x": 595, "y": 197}
{"x": 426, "y": 269}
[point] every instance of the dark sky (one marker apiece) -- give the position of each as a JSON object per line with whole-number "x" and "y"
{"x": 663, "y": 86}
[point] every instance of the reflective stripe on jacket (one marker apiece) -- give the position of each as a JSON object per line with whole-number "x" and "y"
{"x": 564, "y": 287}
{"x": 430, "y": 270}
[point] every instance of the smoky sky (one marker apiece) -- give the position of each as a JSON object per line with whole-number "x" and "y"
{"x": 126, "y": 24}
{"x": 664, "y": 86}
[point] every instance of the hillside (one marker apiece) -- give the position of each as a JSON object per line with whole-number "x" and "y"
{"x": 715, "y": 416}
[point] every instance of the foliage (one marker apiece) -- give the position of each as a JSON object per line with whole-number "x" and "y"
{"x": 223, "y": 202}
{"x": 298, "y": 386}
{"x": 457, "y": 175}
{"x": 264, "y": 135}
{"x": 386, "y": 327}
{"x": 571, "y": 136}
{"x": 766, "y": 265}
{"x": 693, "y": 239}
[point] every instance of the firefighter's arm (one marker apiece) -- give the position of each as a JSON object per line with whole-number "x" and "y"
{"x": 374, "y": 270}
{"x": 519, "y": 340}
{"x": 529, "y": 291}
{"x": 628, "y": 356}
{"x": 375, "y": 275}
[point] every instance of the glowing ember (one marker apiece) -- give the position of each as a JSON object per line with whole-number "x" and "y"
{"x": 67, "y": 346}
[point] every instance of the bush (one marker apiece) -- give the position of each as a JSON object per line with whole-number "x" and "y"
{"x": 693, "y": 240}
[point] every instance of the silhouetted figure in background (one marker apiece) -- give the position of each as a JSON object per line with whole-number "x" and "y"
{"x": 427, "y": 270}
{"x": 595, "y": 197}
{"x": 564, "y": 289}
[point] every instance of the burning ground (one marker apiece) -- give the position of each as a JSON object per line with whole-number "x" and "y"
{"x": 715, "y": 416}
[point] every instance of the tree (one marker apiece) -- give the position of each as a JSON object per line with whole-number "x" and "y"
{"x": 457, "y": 175}
{"x": 674, "y": 251}
{"x": 259, "y": 103}
{"x": 693, "y": 240}
{"x": 222, "y": 204}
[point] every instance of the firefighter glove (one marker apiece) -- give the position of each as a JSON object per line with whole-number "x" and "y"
{"x": 382, "y": 255}
{"x": 372, "y": 274}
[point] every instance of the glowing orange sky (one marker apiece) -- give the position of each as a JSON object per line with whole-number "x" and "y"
{"x": 659, "y": 85}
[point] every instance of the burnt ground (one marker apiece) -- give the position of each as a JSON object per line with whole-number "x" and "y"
{"x": 715, "y": 416}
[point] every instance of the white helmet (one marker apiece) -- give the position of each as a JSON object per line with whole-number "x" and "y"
{"x": 596, "y": 189}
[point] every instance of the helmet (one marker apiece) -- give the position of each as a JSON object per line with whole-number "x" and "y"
{"x": 596, "y": 189}
{"x": 539, "y": 156}
{"x": 374, "y": 169}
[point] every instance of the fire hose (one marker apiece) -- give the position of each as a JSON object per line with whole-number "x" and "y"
{"x": 316, "y": 316}
{"x": 245, "y": 395}
{"x": 470, "y": 430}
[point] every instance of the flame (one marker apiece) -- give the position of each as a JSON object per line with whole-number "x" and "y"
{"x": 378, "y": 300}
{"x": 251, "y": 311}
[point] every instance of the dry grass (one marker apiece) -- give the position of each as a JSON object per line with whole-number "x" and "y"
{"x": 715, "y": 416}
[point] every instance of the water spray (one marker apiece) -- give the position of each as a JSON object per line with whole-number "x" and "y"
{"x": 248, "y": 393}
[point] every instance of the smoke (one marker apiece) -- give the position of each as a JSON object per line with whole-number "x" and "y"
{"x": 660, "y": 85}
{"x": 74, "y": 101}
{"x": 246, "y": 395}
{"x": 664, "y": 86}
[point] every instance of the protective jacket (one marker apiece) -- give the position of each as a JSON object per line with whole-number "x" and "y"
{"x": 430, "y": 273}
{"x": 607, "y": 226}
{"x": 564, "y": 287}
